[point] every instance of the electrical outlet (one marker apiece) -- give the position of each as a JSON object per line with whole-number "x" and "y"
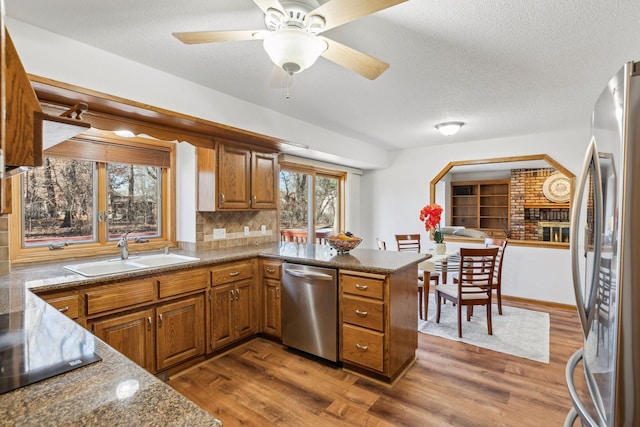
{"x": 246, "y": 230}
{"x": 263, "y": 229}
{"x": 219, "y": 233}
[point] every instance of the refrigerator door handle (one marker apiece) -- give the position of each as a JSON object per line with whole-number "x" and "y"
{"x": 585, "y": 305}
{"x": 578, "y": 407}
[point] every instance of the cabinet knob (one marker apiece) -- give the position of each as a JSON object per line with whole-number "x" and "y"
{"x": 361, "y": 347}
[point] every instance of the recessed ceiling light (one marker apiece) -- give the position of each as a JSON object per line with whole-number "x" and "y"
{"x": 449, "y": 128}
{"x": 124, "y": 133}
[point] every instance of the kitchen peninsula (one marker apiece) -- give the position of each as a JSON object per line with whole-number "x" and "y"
{"x": 93, "y": 393}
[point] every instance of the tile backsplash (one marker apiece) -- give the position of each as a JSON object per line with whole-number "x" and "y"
{"x": 234, "y": 223}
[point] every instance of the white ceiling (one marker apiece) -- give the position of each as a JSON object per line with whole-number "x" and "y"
{"x": 504, "y": 67}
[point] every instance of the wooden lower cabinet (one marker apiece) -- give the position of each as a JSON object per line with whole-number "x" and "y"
{"x": 378, "y": 322}
{"x": 272, "y": 311}
{"x": 271, "y": 272}
{"x": 157, "y": 338}
{"x": 131, "y": 334}
{"x": 233, "y": 312}
{"x": 180, "y": 331}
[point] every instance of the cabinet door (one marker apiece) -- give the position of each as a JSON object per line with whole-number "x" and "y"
{"x": 272, "y": 308}
{"x": 245, "y": 318}
{"x": 179, "y": 331}
{"x": 264, "y": 177}
{"x": 131, "y": 335}
{"x": 233, "y": 177}
{"x": 222, "y": 298}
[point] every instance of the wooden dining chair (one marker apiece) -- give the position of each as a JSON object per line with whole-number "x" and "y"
{"x": 408, "y": 242}
{"x": 497, "y": 273}
{"x": 473, "y": 284}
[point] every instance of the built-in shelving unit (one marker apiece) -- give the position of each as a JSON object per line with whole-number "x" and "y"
{"x": 482, "y": 205}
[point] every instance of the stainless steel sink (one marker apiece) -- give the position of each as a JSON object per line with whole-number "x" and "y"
{"x": 134, "y": 263}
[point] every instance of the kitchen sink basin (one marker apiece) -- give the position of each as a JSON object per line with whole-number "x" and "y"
{"x": 134, "y": 263}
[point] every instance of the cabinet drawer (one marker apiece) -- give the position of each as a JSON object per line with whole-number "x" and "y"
{"x": 365, "y": 312}
{"x": 363, "y": 346}
{"x": 183, "y": 282}
{"x": 364, "y": 286}
{"x": 120, "y": 296}
{"x": 226, "y": 273}
{"x": 69, "y": 305}
{"x": 271, "y": 269}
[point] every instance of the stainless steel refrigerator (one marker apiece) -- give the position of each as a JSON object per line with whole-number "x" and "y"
{"x": 605, "y": 252}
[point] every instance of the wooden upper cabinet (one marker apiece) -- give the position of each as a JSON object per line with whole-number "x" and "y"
{"x": 28, "y": 130}
{"x": 236, "y": 178}
{"x": 264, "y": 180}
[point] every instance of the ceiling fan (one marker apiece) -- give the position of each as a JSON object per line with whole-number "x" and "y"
{"x": 292, "y": 39}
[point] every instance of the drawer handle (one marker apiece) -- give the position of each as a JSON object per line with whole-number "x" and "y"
{"x": 362, "y": 287}
{"x": 270, "y": 270}
{"x": 362, "y": 348}
{"x": 64, "y": 309}
{"x": 234, "y": 274}
{"x": 362, "y": 313}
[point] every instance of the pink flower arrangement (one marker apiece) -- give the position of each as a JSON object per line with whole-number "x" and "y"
{"x": 431, "y": 215}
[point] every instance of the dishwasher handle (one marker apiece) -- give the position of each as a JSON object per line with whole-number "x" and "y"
{"x": 308, "y": 274}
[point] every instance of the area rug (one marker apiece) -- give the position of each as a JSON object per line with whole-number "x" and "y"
{"x": 520, "y": 332}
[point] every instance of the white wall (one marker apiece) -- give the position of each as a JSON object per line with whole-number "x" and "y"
{"x": 392, "y": 199}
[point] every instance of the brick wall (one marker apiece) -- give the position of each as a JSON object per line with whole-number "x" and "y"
{"x": 526, "y": 189}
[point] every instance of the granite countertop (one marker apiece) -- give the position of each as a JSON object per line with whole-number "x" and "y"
{"x": 53, "y": 276}
{"x": 116, "y": 391}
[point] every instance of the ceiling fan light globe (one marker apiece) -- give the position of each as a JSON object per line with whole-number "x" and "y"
{"x": 293, "y": 49}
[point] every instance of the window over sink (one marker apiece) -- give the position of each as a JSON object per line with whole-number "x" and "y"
{"x": 90, "y": 191}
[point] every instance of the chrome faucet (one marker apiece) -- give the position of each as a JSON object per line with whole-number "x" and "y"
{"x": 123, "y": 244}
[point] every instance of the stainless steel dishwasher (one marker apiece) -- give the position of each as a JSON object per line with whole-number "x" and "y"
{"x": 310, "y": 310}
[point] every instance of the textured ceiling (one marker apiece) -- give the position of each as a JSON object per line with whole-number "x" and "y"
{"x": 504, "y": 67}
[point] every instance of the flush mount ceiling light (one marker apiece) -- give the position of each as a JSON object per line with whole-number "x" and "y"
{"x": 293, "y": 49}
{"x": 449, "y": 128}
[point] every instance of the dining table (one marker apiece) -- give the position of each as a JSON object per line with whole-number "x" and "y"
{"x": 448, "y": 262}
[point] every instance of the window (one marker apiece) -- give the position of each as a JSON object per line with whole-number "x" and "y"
{"x": 90, "y": 191}
{"x": 310, "y": 202}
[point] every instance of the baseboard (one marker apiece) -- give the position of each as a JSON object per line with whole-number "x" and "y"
{"x": 539, "y": 302}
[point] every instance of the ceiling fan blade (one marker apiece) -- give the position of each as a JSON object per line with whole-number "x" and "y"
{"x": 356, "y": 61}
{"x": 269, "y": 4}
{"x": 339, "y": 12}
{"x": 196, "y": 37}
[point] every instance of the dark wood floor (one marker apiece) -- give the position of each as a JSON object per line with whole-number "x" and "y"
{"x": 451, "y": 384}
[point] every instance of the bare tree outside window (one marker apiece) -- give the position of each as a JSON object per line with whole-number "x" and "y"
{"x": 59, "y": 202}
{"x": 294, "y": 205}
{"x": 133, "y": 200}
